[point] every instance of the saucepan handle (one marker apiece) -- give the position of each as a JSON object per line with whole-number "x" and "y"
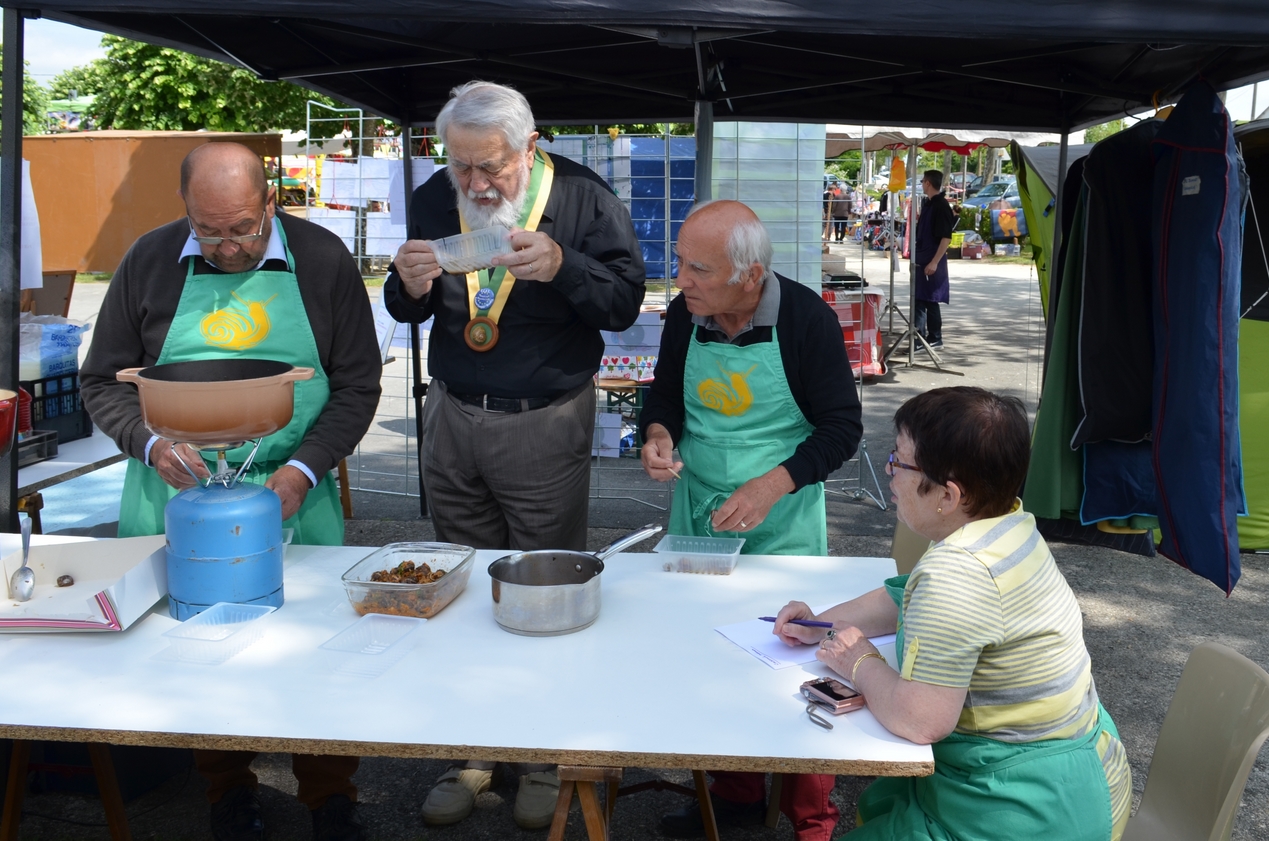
{"x": 128, "y": 375}
{"x": 297, "y": 374}
{"x": 629, "y": 540}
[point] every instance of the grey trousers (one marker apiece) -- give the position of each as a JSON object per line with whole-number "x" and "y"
{"x": 509, "y": 481}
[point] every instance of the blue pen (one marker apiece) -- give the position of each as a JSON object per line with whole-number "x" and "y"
{"x": 809, "y": 623}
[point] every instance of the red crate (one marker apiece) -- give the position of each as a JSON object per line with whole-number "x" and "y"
{"x": 858, "y": 319}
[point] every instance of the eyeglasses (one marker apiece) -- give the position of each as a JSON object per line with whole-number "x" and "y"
{"x": 893, "y": 462}
{"x": 245, "y": 238}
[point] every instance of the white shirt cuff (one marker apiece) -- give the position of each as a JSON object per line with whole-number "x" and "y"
{"x": 148, "y": 446}
{"x": 303, "y": 468}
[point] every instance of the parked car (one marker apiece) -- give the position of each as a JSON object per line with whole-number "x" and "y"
{"x": 979, "y": 181}
{"x": 1007, "y": 190}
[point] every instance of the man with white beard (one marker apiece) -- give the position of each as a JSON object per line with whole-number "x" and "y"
{"x": 511, "y": 409}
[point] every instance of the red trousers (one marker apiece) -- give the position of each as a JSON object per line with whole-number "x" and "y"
{"x": 319, "y": 776}
{"x": 804, "y": 798}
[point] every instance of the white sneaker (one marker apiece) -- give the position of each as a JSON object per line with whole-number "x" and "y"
{"x": 535, "y": 801}
{"x": 454, "y": 795}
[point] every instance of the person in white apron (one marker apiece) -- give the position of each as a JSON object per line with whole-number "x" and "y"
{"x": 234, "y": 280}
{"x": 754, "y": 386}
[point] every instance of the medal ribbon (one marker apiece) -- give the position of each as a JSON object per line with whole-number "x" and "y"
{"x": 498, "y": 278}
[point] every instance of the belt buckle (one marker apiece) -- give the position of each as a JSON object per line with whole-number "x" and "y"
{"x": 484, "y": 402}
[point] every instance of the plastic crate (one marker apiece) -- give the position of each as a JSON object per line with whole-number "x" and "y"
{"x": 56, "y": 405}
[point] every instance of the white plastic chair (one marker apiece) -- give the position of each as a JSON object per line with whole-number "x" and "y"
{"x": 1216, "y": 723}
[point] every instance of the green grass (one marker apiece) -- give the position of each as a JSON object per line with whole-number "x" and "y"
{"x": 93, "y": 277}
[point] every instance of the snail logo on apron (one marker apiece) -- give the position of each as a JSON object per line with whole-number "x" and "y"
{"x": 731, "y": 396}
{"x": 233, "y": 330}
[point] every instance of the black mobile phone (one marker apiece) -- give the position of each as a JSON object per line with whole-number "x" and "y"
{"x": 832, "y": 694}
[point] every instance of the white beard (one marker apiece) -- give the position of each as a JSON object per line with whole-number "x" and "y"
{"x": 506, "y": 212}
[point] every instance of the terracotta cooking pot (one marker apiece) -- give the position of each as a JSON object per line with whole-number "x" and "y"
{"x": 8, "y": 419}
{"x": 213, "y": 402}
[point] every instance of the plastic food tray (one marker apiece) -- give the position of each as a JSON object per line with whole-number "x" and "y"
{"x": 218, "y": 633}
{"x": 708, "y": 555}
{"x": 422, "y": 600}
{"x": 472, "y": 251}
{"x": 372, "y": 644}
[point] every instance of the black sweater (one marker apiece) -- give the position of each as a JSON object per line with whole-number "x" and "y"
{"x": 141, "y": 302}
{"x": 815, "y": 364}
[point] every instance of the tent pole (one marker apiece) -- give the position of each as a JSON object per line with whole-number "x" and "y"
{"x": 419, "y": 388}
{"x": 914, "y": 159}
{"x": 11, "y": 242}
{"x": 704, "y": 150}
{"x": 1051, "y": 314}
{"x": 859, "y": 187}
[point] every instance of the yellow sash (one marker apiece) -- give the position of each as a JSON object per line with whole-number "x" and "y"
{"x": 530, "y": 224}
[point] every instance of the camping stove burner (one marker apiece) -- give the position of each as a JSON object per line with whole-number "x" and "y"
{"x": 224, "y": 473}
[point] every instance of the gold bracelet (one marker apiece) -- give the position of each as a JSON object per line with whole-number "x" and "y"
{"x": 855, "y": 668}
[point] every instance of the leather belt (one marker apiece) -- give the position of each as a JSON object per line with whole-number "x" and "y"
{"x": 502, "y": 404}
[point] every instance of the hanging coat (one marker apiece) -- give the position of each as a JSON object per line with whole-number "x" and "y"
{"x": 1199, "y": 191}
{"x": 1116, "y": 339}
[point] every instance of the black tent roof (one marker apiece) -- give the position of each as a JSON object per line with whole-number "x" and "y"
{"x": 1026, "y": 65}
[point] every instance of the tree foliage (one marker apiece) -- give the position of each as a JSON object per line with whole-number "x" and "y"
{"x": 84, "y": 80}
{"x": 34, "y": 101}
{"x": 144, "y": 86}
{"x": 1103, "y": 131}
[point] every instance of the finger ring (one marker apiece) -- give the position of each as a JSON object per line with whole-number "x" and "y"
{"x": 530, "y": 267}
{"x": 831, "y": 633}
{"x": 743, "y": 525}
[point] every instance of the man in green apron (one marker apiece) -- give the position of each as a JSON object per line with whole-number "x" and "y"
{"x": 754, "y": 387}
{"x": 234, "y": 280}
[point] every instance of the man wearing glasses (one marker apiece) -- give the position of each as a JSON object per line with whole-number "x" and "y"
{"x": 513, "y": 352}
{"x": 230, "y": 280}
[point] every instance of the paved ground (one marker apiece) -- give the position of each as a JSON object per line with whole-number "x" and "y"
{"x": 1142, "y": 616}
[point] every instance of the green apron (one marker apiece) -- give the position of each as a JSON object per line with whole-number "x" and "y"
{"x": 741, "y": 421}
{"x": 251, "y": 315}
{"x": 985, "y": 790}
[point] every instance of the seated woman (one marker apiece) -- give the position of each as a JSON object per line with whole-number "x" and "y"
{"x": 992, "y": 667}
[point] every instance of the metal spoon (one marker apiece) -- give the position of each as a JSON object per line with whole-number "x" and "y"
{"x": 22, "y": 584}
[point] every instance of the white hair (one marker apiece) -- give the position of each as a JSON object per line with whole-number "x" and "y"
{"x": 485, "y": 105}
{"x": 747, "y": 243}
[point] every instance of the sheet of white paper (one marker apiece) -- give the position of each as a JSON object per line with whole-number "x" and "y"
{"x": 421, "y": 169}
{"x": 755, "y": 637}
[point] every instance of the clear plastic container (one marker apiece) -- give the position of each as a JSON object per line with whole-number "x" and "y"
{"x": 218, "y": 633}
{"x": 707, "y": 555}
{"x": 371, "y": 645}
{"x": 463, "y": 253}
{"x": 421, "y": 600}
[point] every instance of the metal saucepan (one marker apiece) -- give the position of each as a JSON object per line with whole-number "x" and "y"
{"x": 213, "y": 402}
{"x": 547, "y": 593}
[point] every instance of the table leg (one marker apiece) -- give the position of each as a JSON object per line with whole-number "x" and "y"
{"x": 108, "y": 787}
{"x": 31, "y": 505}
{"x": 706, "y": 805}
{"x": 596, "y": 826}
{"x": 15, "y": 790}
{"x": 773, "y": 800}
{"x": 560, "y": 820}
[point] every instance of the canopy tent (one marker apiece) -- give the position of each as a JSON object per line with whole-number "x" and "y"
{"x": 1044, "y": 67}
{"x": 961, "y": 141}
{"x": 1037, "y": 170}
{"x": 1047, "y": 67}
{"x": 1253, "y": 339}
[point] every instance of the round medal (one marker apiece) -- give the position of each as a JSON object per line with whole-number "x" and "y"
{"x": 484, "y": 298}
{"x": 481, "y": 333}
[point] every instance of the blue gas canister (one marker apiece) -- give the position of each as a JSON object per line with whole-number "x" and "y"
{"x": 224, "y": 544}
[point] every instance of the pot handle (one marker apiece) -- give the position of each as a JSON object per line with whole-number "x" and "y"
{"x": 128, "y": 375}
{"x": 297, "y": 374}
{"x": 629, "y": 540}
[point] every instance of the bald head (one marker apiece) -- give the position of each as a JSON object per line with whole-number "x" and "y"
{"x": 226, "y": 196}
{"x": 737, "y": 228}
{"x": 223, "y": 166}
